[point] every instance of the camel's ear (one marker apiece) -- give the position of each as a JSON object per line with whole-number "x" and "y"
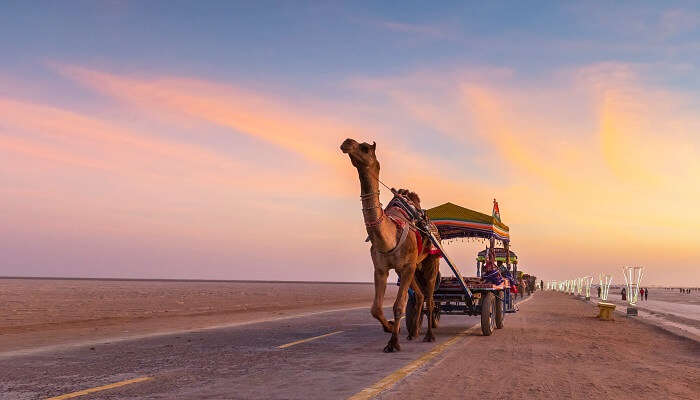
{"x": 373, "y": 146}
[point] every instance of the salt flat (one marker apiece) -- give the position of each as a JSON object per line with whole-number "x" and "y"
{"x": 45, "y": 312}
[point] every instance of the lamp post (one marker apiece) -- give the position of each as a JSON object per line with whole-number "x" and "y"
{"x": 605, "y": 309}
{"x": 633, "y": 277}
{"x": 587, "y": 280}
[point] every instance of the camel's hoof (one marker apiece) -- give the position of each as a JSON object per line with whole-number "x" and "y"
{"x": 392, "y": 346}
{"x": 409, "y": 337}
{"x": 429, "y": 339}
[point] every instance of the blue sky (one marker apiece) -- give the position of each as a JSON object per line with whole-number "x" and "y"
{"x": 308, "y": 44}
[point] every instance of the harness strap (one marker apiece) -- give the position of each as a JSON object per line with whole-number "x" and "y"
{"x": 404, "y": 234}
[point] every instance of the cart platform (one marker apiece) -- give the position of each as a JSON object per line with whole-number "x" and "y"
{"x": 450, "y": 284}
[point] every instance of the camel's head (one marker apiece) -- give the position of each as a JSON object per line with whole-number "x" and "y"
{"x": 361, "y": 155}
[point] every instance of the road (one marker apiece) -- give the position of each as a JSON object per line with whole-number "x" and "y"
{"x": 321, "y": 356}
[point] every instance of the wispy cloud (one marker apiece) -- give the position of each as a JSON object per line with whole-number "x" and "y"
{"x": 243, "y": 111}
{"x": 312, "y": 134}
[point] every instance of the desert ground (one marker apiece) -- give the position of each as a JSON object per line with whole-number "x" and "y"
{"x": 46, "y": 312}
{"x": 667, "y": 295}
{"x": 668, "y": 309}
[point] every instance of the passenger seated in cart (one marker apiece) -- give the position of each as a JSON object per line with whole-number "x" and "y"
{"x": 506, "y": 273}
{"x": 491, "y": 272}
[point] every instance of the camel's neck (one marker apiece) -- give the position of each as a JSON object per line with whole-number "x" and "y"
{"x": 381, "y": 231}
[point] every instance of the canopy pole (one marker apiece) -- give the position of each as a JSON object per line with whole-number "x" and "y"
{"x": 505, "y": 247}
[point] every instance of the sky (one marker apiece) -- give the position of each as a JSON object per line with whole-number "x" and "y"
{"x": 171, "y": 139}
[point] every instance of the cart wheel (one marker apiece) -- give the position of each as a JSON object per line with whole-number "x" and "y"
{"x": 411, "y": 315}
{"x": 499, "y": 311}
{"x": 488, "y": 311}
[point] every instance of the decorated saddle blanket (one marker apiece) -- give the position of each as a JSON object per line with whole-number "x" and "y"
{"x": 402, "y": 217}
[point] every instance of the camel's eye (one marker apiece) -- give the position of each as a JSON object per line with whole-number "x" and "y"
{"x": 364, "y": 148}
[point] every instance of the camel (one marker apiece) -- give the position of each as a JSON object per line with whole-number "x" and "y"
{"x": 392, "y": 248}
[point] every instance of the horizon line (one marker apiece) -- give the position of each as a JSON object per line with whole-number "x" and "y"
{"x": 67, "y": 278}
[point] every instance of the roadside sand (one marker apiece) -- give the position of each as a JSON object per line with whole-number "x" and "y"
{"x": 660, "y": 294}
{"x": 673, "y": 314}
{"x": 38, "y": 313}
{"x": 555, "y": 348}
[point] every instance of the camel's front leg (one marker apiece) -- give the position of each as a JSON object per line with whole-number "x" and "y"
{"x": 407, "y": 273}
{"x": 380, "y": 278}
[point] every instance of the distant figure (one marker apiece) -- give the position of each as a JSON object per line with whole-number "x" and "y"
{"x": 624, "y": 294}
{"x": 541, "y": 285}
{"x": 598, "y": 291}
{"x": 641, "y": 293}
{"x": 521, "y": 286}
{"x": 646, "y": 294}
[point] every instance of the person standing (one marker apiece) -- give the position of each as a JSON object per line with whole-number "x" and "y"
{"x": 598, "y": 291}
{"x": 624, "y": 294}
{"x": 641, "y": 293}
{"x": 541, "y": 284}
{"x": 521, "y": 286}
{"x": 646, "y": 294}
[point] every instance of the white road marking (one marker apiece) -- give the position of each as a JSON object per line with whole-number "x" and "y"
{"x": 284, "y": 346}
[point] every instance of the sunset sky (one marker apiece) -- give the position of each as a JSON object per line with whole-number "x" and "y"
{"x": 201, "y": 139}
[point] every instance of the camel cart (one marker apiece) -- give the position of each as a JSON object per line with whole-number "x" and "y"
{"x": 463, "y": 295}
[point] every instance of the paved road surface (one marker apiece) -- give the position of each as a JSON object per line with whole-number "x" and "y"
{"x": 234, "y": 362}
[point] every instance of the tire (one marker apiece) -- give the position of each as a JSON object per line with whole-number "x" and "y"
{"x": 499, "y": 310}
{"x": 488, "y": 311}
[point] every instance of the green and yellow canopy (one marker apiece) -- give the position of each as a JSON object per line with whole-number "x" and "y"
{"x": 454, "y": 221}
{"x": 500, "y": 255}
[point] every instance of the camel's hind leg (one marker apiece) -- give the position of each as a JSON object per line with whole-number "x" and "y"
{"x": 413, "y": 325}
{"x": 429, "y": 272}
{"x": 407, "y": 273}
{"x": 380, "y": 278}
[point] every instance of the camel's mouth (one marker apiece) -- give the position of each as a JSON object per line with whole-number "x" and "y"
{"x": 348, "y": 145}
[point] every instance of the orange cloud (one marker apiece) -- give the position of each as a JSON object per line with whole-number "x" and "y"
{"x": 313, "y": 136}
{"x": 597, "y": 163}
{"x": 273, "y": 121}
